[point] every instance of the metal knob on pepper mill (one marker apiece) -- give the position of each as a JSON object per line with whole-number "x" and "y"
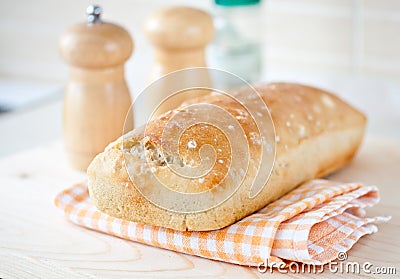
{"x": 97, "y": 98}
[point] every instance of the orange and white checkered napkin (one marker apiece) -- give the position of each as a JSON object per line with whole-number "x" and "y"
{"x": 311, "y": 224}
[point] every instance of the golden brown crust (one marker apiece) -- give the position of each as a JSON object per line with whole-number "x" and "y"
{"x": 316, "y": 134}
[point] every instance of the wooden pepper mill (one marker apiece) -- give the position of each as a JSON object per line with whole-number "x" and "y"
{"x": 180, "y": 35}
{"x": 97, "y": 98}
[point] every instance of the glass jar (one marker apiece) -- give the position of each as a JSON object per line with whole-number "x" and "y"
{"x": 237, "y": 46}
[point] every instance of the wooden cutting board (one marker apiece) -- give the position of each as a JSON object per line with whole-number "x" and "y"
{"x": 36, "y": 241}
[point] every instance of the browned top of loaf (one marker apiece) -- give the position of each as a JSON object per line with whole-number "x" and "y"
{"x": 316, "y": 112}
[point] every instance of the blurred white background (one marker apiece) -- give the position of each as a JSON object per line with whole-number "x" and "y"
{"x": 351, "y": 47}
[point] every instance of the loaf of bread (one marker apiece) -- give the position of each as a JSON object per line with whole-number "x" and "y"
{"x": 315, "y": 133}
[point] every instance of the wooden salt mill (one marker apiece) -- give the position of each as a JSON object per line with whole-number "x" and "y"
{"x": 97, "y": 98}
{"x": 179, "y": 35}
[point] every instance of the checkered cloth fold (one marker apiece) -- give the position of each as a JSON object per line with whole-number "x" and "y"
{"x": 311, "y": 225}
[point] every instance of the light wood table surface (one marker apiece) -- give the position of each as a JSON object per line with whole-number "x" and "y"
{"x": 36, "y": 240}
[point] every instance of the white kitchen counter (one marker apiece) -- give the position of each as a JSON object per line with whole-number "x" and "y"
{"x": 37, "y": 240}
